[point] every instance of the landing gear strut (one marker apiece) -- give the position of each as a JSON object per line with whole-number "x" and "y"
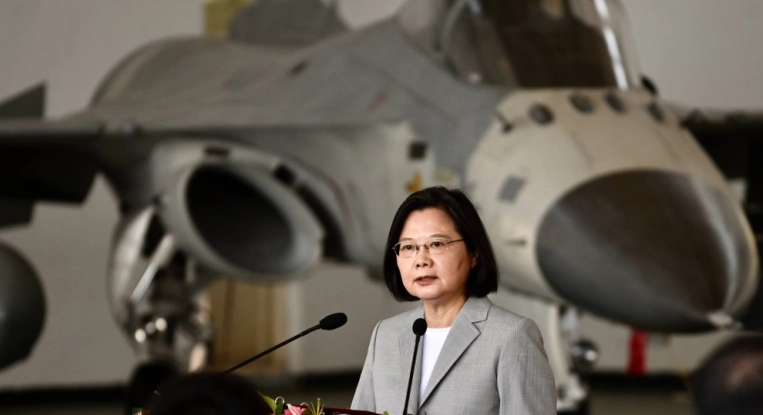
{"x": 156, "y": 297}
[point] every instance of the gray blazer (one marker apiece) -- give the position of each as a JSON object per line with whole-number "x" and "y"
{"x": 492, "y": 362}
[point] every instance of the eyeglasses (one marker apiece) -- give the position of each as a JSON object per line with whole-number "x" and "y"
{"x": 435, "y": 246}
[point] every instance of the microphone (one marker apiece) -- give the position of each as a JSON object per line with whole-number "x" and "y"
{"x": 419, "y": 328}
{"x": 330, "y": 322}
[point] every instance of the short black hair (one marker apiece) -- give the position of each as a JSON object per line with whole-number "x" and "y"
{"x": 483, "y": 278}
{"x": 730, "y": 380}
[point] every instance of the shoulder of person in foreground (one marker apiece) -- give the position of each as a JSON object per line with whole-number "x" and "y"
{"x": 400, "y": 322}
{"x": 208, "y": 393}
{"x": 502, "y": 322}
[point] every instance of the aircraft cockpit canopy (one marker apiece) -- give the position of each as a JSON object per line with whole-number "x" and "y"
{"x": 527, "y": 43}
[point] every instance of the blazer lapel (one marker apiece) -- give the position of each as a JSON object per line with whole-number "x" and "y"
{"x": 407, "y": 341}
{"x": 461, "y": 335}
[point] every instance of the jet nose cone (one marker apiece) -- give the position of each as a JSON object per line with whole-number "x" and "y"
{"x": 652, "y": 249}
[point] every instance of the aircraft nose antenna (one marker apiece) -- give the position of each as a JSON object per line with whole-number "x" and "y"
{"x": 654, "y": 249}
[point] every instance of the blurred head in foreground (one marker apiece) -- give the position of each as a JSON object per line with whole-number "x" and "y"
{"x": 208, "y": 394}
{"x": 730, "y": 380}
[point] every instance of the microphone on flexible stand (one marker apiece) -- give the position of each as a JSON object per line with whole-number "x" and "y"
{"x": 419, "y": 328}
{"x": 329, "y": 322}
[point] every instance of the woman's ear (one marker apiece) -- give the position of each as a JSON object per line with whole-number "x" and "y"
{"x": 474, "y": 261}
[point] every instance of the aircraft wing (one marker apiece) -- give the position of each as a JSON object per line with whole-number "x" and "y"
{"x": 22, "y": 126}
{"x": 41, "y": 160}
{"x": 22, "y": 132}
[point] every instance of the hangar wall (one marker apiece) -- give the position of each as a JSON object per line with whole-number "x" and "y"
{"x": 699, "y": 52}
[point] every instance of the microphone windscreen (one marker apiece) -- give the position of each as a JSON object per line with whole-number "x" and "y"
{"x": 419, "y": 327}
{"x": 333, "y": 321}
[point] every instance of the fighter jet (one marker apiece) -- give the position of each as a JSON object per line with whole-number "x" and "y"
{"x": 295, "y": 139}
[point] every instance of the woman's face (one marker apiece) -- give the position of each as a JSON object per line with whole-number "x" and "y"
{"x": 439, "y": 278}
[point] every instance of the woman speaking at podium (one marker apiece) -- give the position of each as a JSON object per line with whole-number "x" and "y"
{"x": 475, "y": 357}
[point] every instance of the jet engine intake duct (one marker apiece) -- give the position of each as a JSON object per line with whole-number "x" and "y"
{"x": 661, "y": 250}
{"x": 239, "y": 220}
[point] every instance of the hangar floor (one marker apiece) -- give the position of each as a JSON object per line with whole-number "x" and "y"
{"x": 608, "y": 398}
